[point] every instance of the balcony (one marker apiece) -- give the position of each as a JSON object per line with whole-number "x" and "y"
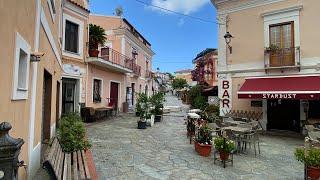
{"x": 284, "y": 58}
{"x": 113, "y": 60}
{"x": 148, "y": 74}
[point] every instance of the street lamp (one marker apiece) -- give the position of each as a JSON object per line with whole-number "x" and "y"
{"x": 227, "y": 38}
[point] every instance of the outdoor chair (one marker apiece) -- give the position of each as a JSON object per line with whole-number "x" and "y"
{"x": 251, "y": 139}
{"x": 237, "y": 138}
{"x": 215, "y": 129}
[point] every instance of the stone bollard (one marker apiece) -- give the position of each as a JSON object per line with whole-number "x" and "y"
{"x": 9, "y": 152}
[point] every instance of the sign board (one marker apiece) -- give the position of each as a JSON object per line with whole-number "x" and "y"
{"x": 256, "y": 103}
{"x": 225, "y": 94}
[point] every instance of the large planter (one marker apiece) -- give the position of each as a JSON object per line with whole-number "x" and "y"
{"x": 142, "y": 124}
{"x": 157, "y": 118}
{"x": 202, "y": 149}
{"x": 313, "y": 173}
{"x": 224, "y": 155}
{"x": 93, "y": 53}
{"x": 150, "y": 122}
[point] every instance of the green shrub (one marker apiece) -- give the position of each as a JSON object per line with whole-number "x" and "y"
{"x": 71, "y": 133}
{"x": 310, "y": 157}
{"x": 196, "y": 99}
{"x": 200, "y": 102}
{"x": 157, "y": 102}
{"x": 142, "y": 104}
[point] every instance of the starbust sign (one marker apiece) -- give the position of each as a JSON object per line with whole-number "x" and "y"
{"x": 278, "y": 96}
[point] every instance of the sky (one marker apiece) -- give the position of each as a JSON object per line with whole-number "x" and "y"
{"x": 175, "y": 39}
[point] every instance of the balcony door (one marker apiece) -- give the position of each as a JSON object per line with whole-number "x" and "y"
{"x": 282, "y": 49}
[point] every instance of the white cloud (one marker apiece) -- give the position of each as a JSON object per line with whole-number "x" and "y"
{"x": 182, "y": 6}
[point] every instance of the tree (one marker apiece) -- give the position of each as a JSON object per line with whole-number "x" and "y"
{"x": 179, "y": 83}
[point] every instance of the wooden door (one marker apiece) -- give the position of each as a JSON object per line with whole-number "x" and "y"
{"x": 282, "y": 45}
{"x": 46, "y": 111}
{"x": 114, "y": 94}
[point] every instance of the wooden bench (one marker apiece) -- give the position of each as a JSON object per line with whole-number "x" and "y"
{"x": 65, "y": 166}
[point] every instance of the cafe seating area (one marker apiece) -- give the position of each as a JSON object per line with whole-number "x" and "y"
{"x": 243, "y": 131}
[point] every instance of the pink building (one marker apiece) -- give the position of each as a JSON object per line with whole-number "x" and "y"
{"x": 123, "y": 67}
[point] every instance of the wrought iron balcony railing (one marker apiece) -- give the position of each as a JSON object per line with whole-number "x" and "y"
{"x": 282, "y": 58}
{"x": 117, "y": 58}
{"x": 148, "y": 74}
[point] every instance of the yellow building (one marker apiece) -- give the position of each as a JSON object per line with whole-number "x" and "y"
{"x": 184, "y": 74}
{"x": 271, "y": 64}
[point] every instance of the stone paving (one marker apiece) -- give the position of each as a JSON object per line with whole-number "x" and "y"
{"x": 121, "y": 151}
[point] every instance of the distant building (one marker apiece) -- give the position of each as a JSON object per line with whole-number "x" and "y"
{"x": 184, "y": 74}
{"x": 205, "y": 72}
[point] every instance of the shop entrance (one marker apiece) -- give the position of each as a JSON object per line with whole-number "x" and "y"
{"x": 283, "y": 115}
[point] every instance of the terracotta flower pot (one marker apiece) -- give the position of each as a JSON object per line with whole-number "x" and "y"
{"x": 93, "y": 53}
{"x": 202, "y": 149}
{"x": 313, "y": 173}
{"x": 224, "y": 155}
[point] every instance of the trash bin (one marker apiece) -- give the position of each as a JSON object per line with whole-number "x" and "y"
{"x": 125, "y": 107}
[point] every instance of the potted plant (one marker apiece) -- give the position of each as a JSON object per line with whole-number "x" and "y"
{"x": 144, "y": 114}
{"x": 311, "y": 158}
{"x": 203, "y": 141}
{"x": 97, "y": 37}
{"x": 157, "y": 103}
{"x": 224, "y": 146}
{"x": 272, "y": 48}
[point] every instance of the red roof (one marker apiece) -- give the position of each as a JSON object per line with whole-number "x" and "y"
{"x": 299, "y": 87}
{"x": 79, "y": 5}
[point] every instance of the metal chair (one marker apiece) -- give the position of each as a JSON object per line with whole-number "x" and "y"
{"x": 251, "y": 139}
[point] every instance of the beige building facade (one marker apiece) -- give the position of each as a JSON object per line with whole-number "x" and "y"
{"x": 30, "y": 89}
{"x": 124, "y": 63}
{"x": 273, "y": 47}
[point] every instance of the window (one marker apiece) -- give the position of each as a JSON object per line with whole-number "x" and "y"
{"x": 21, "y": 69}
{"x": 23, "y": 65}
{"x": 97, "y": 84}
{"x": 71, "y": 37}
{"x": 282, "y": 44}
{"x": 134, "y": 53}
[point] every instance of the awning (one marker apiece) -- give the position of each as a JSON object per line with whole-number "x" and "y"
{"x": 292, "y": 87}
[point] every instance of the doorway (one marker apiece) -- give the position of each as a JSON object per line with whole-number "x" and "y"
{"x": 46, "y": 111}
{"x": 69, "y": 91}
{"x": 58, "y": 104}
{"x": 133, "y": 93}
{"x": 283, "y": 115}
{"x": 114, "y": 94}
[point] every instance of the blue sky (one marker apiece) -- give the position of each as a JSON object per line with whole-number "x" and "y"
{"x": 175, "y": 39}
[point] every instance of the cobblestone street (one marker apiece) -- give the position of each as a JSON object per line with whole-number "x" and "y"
{"x": 121, "y": 151}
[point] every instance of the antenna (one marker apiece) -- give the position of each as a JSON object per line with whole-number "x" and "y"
{"x": 119, "y": 11}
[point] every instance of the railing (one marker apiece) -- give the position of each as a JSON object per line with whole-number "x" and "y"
{"x": 282, "y": 58}
{"x": 117, "y": 58}
{"x": 148, "y": 74}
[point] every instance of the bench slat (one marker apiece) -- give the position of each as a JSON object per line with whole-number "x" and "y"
{"x": 80, "y": 163}
{"x": 57, "y": 161}
{"x": 52, "y": 151}
{"x": 65, "y": 167}
{"x": 84, "y": 157}
{"x": 75, "y": 173}
{"x": 69, "y": 166}
{"x": 60, "y": 164}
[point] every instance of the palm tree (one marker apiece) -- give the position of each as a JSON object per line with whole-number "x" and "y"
{"x": 97, "y": 36}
